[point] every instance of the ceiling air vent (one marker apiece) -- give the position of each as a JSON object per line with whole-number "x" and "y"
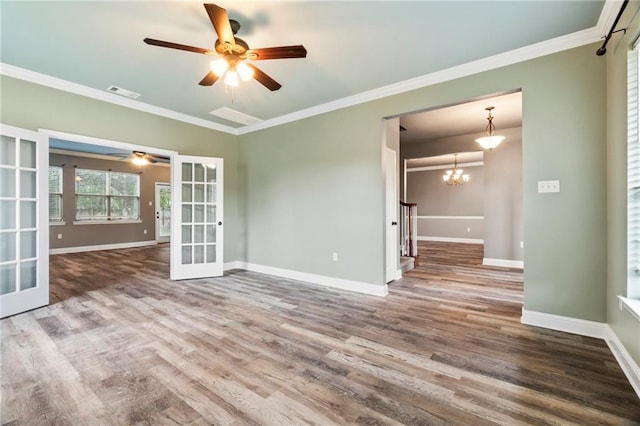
{"x": 123, "y": 92}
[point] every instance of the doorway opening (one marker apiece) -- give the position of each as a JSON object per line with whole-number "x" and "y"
{"x": 486, "y": 209}
{"x": 106, "y": 196}
{"x": 163, "y": 212}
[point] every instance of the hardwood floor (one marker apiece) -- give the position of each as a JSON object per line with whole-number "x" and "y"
{"x": 121, "y": 344}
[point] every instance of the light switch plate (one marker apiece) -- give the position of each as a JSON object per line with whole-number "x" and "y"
{"x": 546, "y": 186}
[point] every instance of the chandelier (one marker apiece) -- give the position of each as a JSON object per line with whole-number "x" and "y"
{"x": 490, "y": 141}
{"x": 455, "y": 176}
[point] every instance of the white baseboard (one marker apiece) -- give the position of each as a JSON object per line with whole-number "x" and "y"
{"x": 628, "y": 365}
{"x": 566, "y": 324}
{"x": 503, "y": 263}
{"x": 233, "y": 265}
{"x": 398, "y": 274}
{"x": 452, "y": 240}
{"x": 595, "y": 329}
{"x": 99, "y": 247}
{"x": 339, "y": 283}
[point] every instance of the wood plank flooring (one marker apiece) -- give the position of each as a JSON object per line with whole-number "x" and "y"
{"x": 121, "y": 344}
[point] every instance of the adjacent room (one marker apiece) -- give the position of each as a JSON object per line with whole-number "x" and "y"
{"x": 281, "y": 213}
{"x": 101, "y": 186}
{"x": 464, "y": 193}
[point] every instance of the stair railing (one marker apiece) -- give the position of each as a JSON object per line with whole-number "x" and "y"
{"x": 409, "y": 230}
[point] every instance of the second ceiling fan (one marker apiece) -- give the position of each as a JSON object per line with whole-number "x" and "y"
{"x": 234, "y": 53}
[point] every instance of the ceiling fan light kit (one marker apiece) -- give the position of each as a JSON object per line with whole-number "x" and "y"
{"x": 232, "y": 66}
{"x": 140, "y": 158}
{"x": 490, "y": 141}
{"x": 139, "y": 161}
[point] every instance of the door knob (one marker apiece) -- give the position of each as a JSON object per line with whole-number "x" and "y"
{"x": 394, "y": 223}
{"x": 219, "y": 223}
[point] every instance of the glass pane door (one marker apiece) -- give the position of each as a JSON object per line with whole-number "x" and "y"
{"x": 196, "y": 249}
{"x": 163, "y": 212}
{"x": 24, "y": 260}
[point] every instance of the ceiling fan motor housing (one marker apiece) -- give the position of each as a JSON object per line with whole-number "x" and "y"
{"x": 240, "y": 48}
{"x": 235, "y": 26}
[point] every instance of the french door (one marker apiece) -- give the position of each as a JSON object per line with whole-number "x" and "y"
{"x": 196, "y": 226}
{"x": 24, "y": 220}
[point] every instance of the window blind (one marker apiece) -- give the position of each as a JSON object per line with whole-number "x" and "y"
{"x": 55, "y": 194}
{"x": 633, "y": 175}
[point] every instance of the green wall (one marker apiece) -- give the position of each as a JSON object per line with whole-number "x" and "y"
{"x": 32, "y": 106}
{"x": 315, "y": 186}
{"x": 626, "y": 327}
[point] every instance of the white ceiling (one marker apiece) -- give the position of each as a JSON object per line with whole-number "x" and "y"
{"x": 462, "y": 119}
{"x": 354, "y": 48}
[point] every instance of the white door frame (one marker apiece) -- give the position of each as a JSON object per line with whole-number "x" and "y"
{"x": 105, "y": 142}
{"x": 391, "y": 214}
{"x": 158, "y": 186}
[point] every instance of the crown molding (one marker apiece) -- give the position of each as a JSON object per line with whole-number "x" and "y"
{"x": 533, "y": 51}
{"x": 90, "y": 92}
{"x": 558, "y": 44}
{"x": 607, "y": 16}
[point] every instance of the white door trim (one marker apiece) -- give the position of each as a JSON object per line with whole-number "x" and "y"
{"x": 391, "y": 214}
{"x": 106, "y": 142}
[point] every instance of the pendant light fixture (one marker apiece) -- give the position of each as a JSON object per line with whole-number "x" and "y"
{"x": 455, "y": 176}
{"x": 490, "y": 141}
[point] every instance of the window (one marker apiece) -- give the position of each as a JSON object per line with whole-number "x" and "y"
{"x": 632, "y": 301}
{"x": 55, "y": 194}
{"x": 106, "y": 195}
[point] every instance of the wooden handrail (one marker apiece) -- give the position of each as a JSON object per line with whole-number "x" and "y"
{"x": 402, "y": 203}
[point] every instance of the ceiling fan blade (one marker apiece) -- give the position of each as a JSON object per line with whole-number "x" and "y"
{"x": 209, "y": 79}
{"x": 161, "y": 158}
{"x": 178, "y": 46}
{"x": 221, "y": 24}
{"x": 282, "y": 52}
{"x": 264, "y": 79}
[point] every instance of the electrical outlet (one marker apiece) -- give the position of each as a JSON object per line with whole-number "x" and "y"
{"x": 468, "y": 229}
{"x": 59, "y": 236}
{"x": 335, "y": 256}
{"x": 521, "y": 244}
{"x": 150, "y": 203}
{"x": 145, "y": 231}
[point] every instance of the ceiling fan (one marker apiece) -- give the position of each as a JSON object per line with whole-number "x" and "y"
{"x": 141, "y": 158}
{"x": 234, "y": 53}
